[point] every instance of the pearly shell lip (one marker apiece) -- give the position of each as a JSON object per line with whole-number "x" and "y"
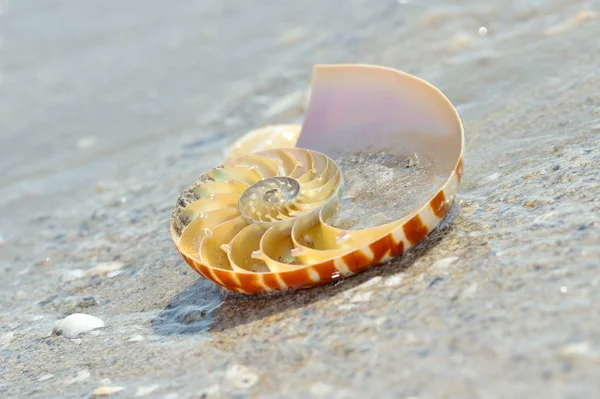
{"x": 352, "y": 108}
{"x": 358, "y": 106}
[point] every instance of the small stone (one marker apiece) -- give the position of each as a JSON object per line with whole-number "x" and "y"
{"x": 395, "y": 280}
{"x": 444, "y": 263}
{"x": 78, "y": 323}
{"x": 107, "y": 390}
{"x": 136, "y": 338}
{"x": 143, "y": 391}
{"x": 72, "y": 275}
{"x": 45, "y": 377}
{"x": 241, "y": 376}
{"x": 106, "y": 269}
{"x": 575, "y": 349}
{"x": 82, "y": 375}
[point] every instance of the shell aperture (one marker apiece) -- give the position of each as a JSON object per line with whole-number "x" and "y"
{"x": 274, "y": 218}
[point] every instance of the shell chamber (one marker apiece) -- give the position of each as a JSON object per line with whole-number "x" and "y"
{"x": 270, "y": 220}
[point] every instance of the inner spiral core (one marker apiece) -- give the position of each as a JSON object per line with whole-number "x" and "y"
{"x": 268, "y": 200}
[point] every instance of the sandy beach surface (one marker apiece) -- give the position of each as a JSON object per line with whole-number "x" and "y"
{"x": 109, "y": 109}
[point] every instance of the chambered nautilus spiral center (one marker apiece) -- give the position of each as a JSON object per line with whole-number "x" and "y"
{"x": 269, "y": 199}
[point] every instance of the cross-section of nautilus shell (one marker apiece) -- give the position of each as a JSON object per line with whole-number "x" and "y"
{"x": 373, "y": 169}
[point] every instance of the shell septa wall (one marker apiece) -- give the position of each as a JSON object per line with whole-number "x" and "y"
{"x": 265, "y": 138}
{"x": 378, "y": 163}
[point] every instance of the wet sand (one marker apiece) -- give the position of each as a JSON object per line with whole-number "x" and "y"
{"x": 107, "y": 112}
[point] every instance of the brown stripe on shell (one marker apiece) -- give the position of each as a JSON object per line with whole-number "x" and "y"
{"x": 270, "y": 280}
{"x": 356, "y": 261}
{"x": 250, "y": 283}
{"x": 459, "y": 170}
{"x": 205, "y": 272}
{"x": 385, "y": 245}
{"x": 327, "y": 272}
{"x": 415, "y": 230}
{"x": 226, "y": 278}
{"x": 295, "y": 278}
{"x": 439, "y": 205}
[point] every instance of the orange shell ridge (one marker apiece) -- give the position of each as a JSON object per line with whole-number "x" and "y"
{"x": 268, "y": 219}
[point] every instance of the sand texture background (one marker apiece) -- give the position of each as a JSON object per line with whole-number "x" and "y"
{"x": 109, "y": 109}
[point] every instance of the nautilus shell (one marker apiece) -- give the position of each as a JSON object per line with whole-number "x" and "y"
{"x": 373, "y": 169}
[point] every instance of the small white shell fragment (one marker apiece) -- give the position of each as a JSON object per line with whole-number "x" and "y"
{"x": 241, "y": 376}
{"x": 395, "y": 280}
{"x": 136, "y": 338}
{"x": 82, "y": 375}
{"x": 444, "y": 263}
{"x": 77, "y": 323}
{"x": 107, "y": 390}
{"x": 105, "y": 269}
{"x": 143, "y": 391}
{"x": 45, "y": 377}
